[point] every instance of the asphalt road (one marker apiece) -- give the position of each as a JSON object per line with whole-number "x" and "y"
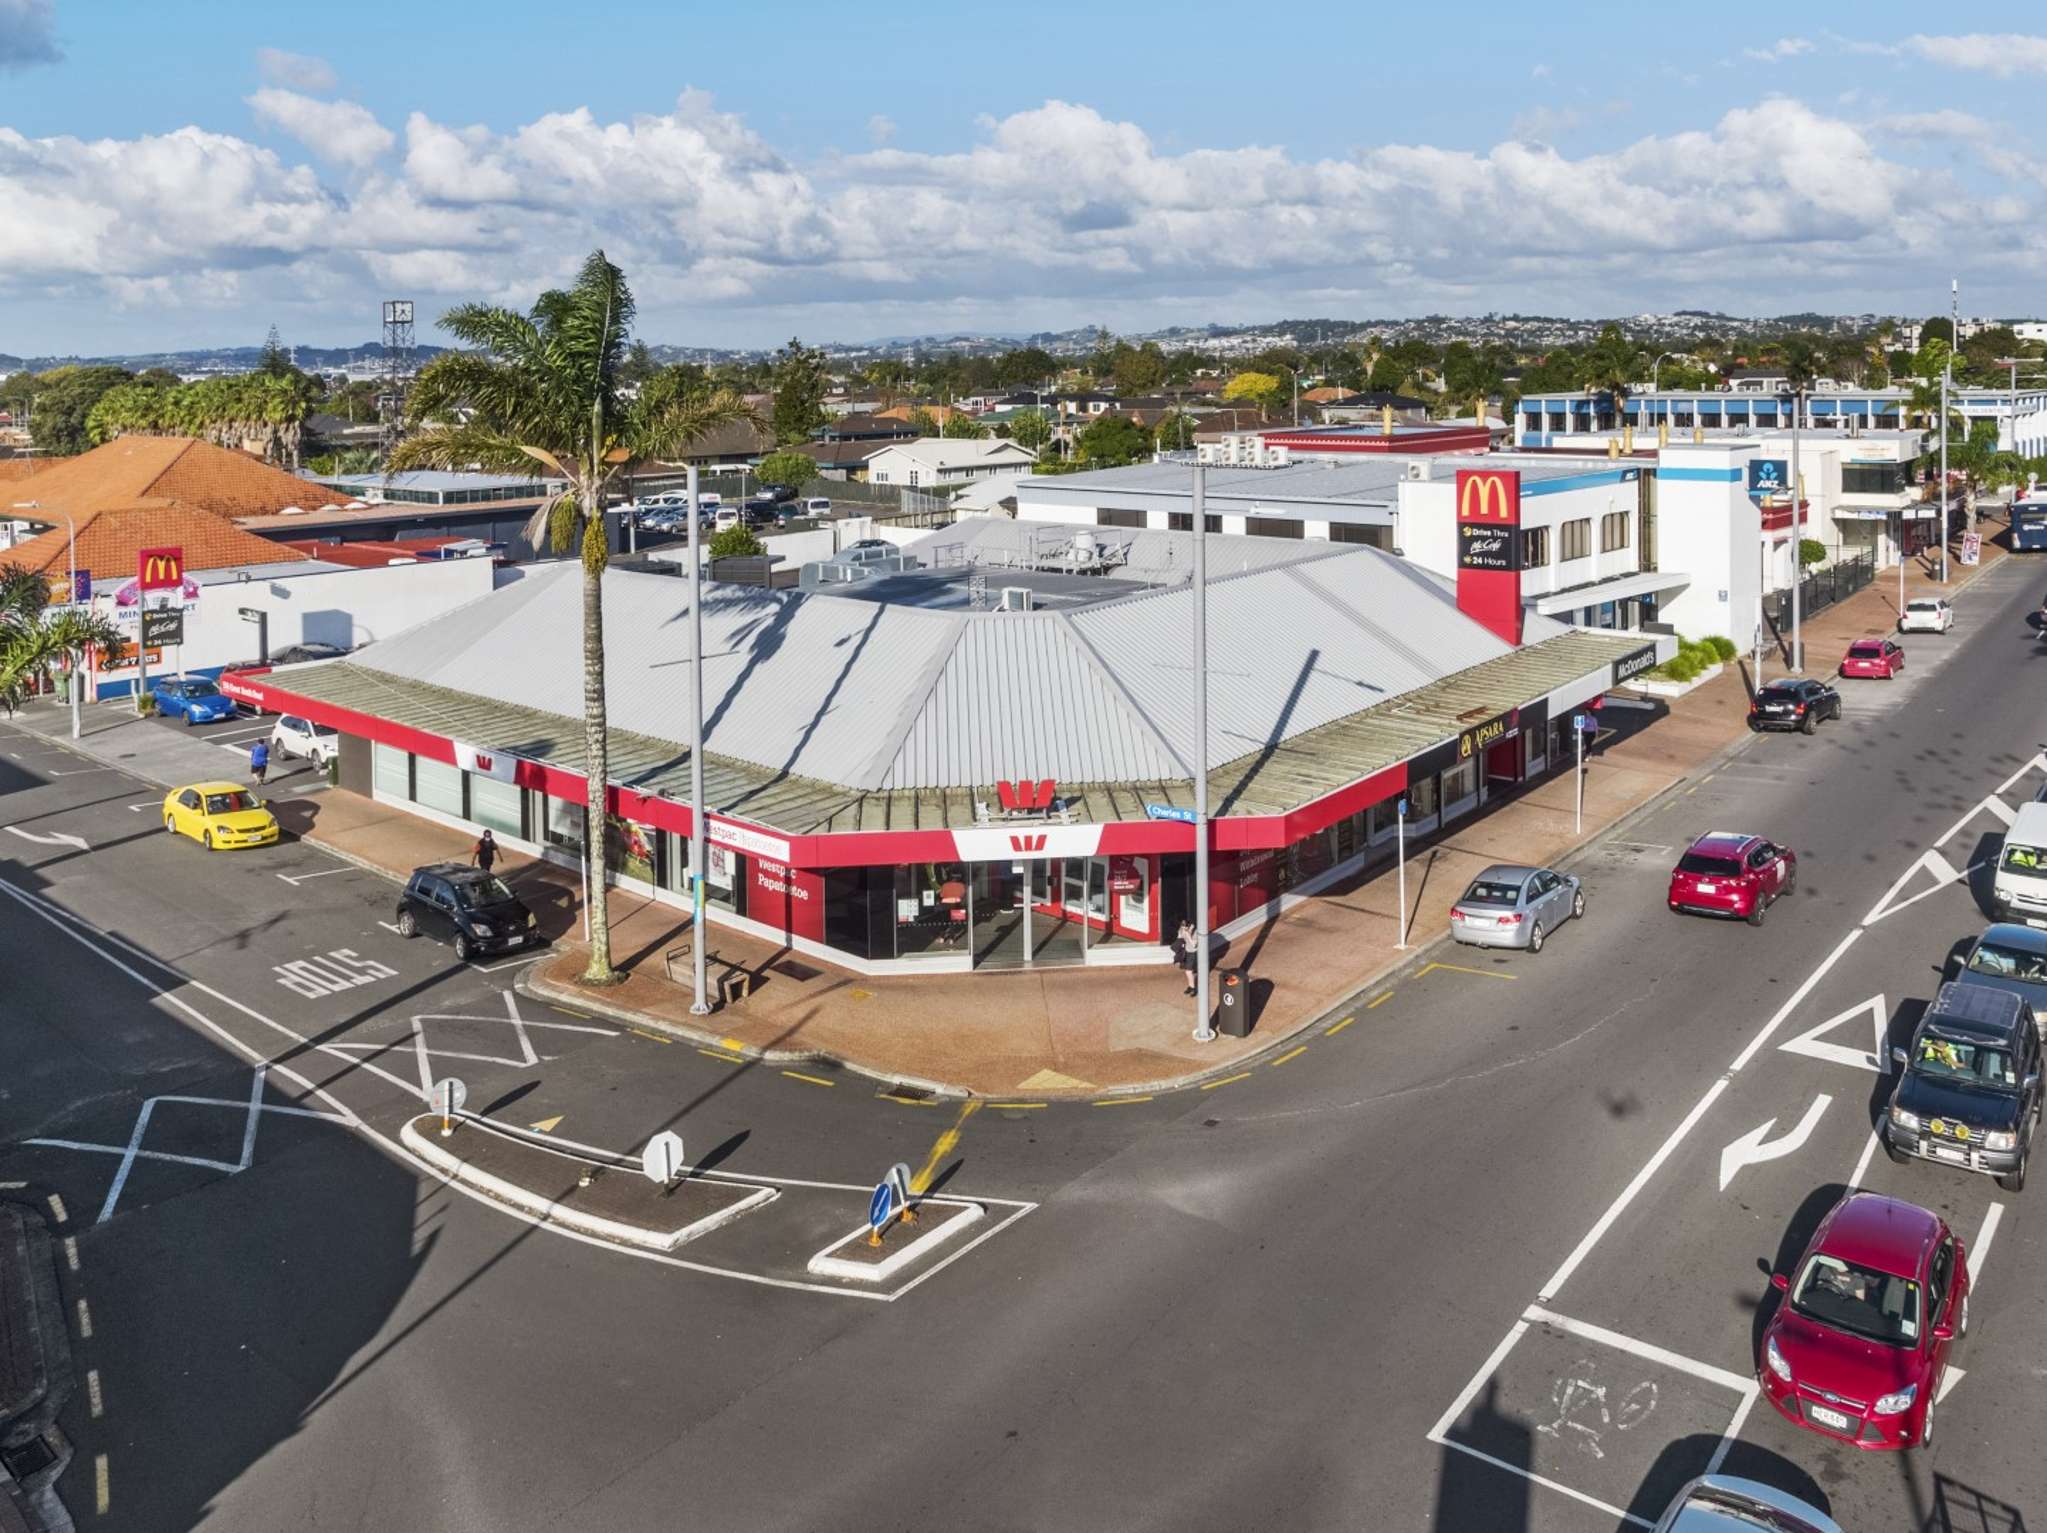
{"x": 1462, "y": 1262}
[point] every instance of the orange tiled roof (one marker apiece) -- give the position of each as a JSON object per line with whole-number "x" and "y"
{"x": 110, "y": 541}
{"x": 195, "y": 474}
{"x": 20, "y": 468}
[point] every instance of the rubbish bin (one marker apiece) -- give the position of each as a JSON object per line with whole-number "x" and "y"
{"x": 1232, "y": 1004}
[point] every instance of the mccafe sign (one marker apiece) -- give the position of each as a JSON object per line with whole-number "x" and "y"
{"x": 1488, "y": 521}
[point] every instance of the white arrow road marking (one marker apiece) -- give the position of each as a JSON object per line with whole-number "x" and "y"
{"x": 155, "y": 803}
{"x": 1948, "y": 1381}
{"x": 1943, "y": 871}
{"x": 1875, "y": 1058}
{"x": 1756, "y": 1145}
{"x": 54, "y": 838}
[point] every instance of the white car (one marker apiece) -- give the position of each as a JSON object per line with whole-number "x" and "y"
{"x": 1722, "y": 1503}
{"x": 818, "y": 505}
{"x": 299, "y": 737}
{"x": 1927, "y": 614}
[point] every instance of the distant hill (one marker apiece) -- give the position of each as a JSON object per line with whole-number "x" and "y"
{"x": 218, "y": 359}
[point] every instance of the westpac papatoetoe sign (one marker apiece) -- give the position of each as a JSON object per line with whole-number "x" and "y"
{"x": 1489, "y": 549}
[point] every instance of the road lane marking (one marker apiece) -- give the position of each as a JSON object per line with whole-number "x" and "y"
{"x": 892, "y": 1096}
{"x": 1346, "y": 1022}
{"x": 640, "y": 1032}
{"x": 1798, "y": 996}
{"x": 84, "y": 1321}
{"x": 1242, "y": 1075}
{"x": 814, "y": 1080}
{"x": 92, "y": 1393}
{"x": 57, "y": 1207}
{"x": 1379, "y": 1000}
{"x": 1943, "y": 871}
{"x": 1619, "y": 1205}
{"x": 1121, "y": 1101}
{"x": 1727, "y": 1438}
{"x": 942, "y": 1147}
{"x": 1289, "y": 1054}
{"x": 1648, "y": 1351}
{"x": 71, "y": 1252}
{"x": 1755, "y": 1147}
{"x": 1485, "y": 1371}
{"x": 101, "y": 1494}
{"x": 1979, "y": 1248}
{"x": 296, "y": 879}
{"x": 1868, "y": 1153}
{"x": 54, "y": 838}
{"x": 1458, "y": 968}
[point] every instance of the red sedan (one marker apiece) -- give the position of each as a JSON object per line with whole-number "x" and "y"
{"x": 1879, "y": 658}
{"x": 1727, "y": 873}
{"x": 1858, "y": 1347}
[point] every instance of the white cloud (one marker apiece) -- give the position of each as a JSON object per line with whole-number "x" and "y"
{"x": 1783, "y": 48}
{"x": 28, "y": 34}
{"x": 1545, "y": 124}
{"x": 2003, "y": 54}
{"x": 1053, "y": 214}
{"x": 343, "y": 132}
{"x": 1539, "y": 72}
{"x": 294, "y": 71}
{"x": 881, "y": 129}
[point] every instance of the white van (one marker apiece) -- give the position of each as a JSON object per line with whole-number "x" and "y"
{"x": 818, "y": 505}
{"x": 727, "y": 518}
{"x": 2020, "y": 888}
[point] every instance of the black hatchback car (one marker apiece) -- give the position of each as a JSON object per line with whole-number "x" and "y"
{"x": 466, "y": 906}
{"x": 1793, "y": 703}
{"x": 1968, "y": 1093}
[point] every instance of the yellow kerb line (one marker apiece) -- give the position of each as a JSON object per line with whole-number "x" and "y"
{"x": 1242, "y": 1075}
{"x": 1379, "y": 1000}
{"x": 1019, "y": 1106}
{"x": 890, "y": 1096}
{"x": 1458, "y": 968}
{"x": 1339, "y": 1027}
{"x": 815, "y": 1080}
{"x": 1121, "y": 1101}
{"x": 1289, "y": 1054}
{"x": 650, "y": 1037}
{"x": 730, "y": 1059}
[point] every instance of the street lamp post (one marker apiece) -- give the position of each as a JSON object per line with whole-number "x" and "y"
{"x": 699, "y": 826}
{"x": 1944, "y": 373}
{"x": 1797, "y": 538}
{"x": 77, "y": 681}
{"x": 1204, "y": 1030}
{"x": 1656, "y": 368}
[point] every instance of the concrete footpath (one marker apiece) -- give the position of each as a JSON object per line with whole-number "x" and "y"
{"x": 1044, "y": 1034}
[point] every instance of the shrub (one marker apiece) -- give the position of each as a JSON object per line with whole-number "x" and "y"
{"x": 736, "y": 543}
{"x": 1683, "y": 666}
{"x": 1723, "y": 647}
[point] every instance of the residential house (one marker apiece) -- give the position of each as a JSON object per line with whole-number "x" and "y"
{"x": 946, "y": 460}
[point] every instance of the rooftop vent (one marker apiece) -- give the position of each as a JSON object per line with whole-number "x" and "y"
{"x": 1015, "y": 599}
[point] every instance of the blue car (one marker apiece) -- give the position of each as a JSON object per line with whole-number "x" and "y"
{"x": 197, "y": 702}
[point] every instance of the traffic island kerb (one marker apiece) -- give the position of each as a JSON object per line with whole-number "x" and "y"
{"x": 856, "y": 1258}
{"x": 606, "y": 1198}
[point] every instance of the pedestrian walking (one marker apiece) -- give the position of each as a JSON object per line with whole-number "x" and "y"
{"x": 485, "y": 852}
{"x": 1185, "y": 943}
{"x": 259, "y": 760}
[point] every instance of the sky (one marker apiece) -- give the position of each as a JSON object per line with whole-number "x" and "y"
{"x": 176, "y": 175}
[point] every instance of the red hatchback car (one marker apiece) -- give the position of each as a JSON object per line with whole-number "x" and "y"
{"x": 1858, "y": 1347}
{"x": 1727, "y": 873}
{"x": 1880, "y": 658}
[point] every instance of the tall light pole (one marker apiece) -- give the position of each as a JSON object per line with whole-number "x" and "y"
{"x": 77, "y": 680}
{"x": 1946, "y": 370}
{"x": 1656, "y": 367}
{"x": 699, "y": 825}
{"x": 1797, "y": 538}
{"x": 1204, "y": 1029}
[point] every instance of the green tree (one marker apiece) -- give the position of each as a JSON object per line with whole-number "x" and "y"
{"x": 542, "y": 388}
{"x": 1803, "y": 356}
{"x": 639, "y": 365}
{"x": 800, "y": 384}
{"x": 274, "y": 361}
{"x": 34, "y": 637}
{"x": 962, "y": 427}
{"x": 1611, "y": 365}
{"x": 736, "y": 543}
{"x": 1939, "y": 328}
{"x": 793, "y": 469}
{"x": 1137, "y": 369}
{"x": 1253, "y": 388}
{"x": 1111, "y": 440}
{"x": 1030, "y": 428}
{"x": 1025, "y": 365}
{"x": 1175, "y": 431}
{"x": 1811, "y": 551}
{"x": 64, "y": 401}
{"x": 923, "y": 422}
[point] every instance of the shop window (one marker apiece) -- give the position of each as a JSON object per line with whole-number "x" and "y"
{"x": 1183, "y": 521}
{"x": 1574, "y": 539}
{"x": 391, "y": 770}
{"x": 1115, "y": 516}
{"x": 1460, "y": 783}
{"x": 1275, "y": 527}
{"x": 931, "y": 911}
{"x": 858, "y": 911}
{"x": 1353, "y": 532}
{"x": 497, "y": 805}
{"x": 563, "y": 823}
{"x": 1421, "y": 800}
{"x": 437, "y": 785}
{"x": 1534, "y": 548}
{"x": 630, "y": 848}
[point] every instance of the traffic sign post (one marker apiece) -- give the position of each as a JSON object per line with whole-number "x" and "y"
{"x": 662, "y": 1160}
{"x": 1581, "y": 725}
{"x": 1400, "y": 874}
{"x": 881, "y": 1207}
{"x": 1169, "y": 812}
{"x": 899, "y": 1174}
{"x": 449, "y": 1095}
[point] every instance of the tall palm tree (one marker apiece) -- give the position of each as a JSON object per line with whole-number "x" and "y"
{"x": 1611, "y": 365}
{"x": 543, "y": 387}
{"x": 33, "y": 638}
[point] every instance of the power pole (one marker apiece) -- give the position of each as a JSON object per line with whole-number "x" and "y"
{"x": 1797, "y": 538}
{"x": 1204, "y": 1029}
{"x": 699, "y": 824}
{"x": 397, "y": 371}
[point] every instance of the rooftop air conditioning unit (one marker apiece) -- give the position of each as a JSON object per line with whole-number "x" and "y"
{"x": 1015, "y": 599}
{"x": 1418, "y": 468}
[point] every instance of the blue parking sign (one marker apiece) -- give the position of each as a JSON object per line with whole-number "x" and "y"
{"x": 881, "y": 1206}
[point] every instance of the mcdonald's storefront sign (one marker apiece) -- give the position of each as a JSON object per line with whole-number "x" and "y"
{"x": 1488, "y": 520}
{"x": 160, "y": 569}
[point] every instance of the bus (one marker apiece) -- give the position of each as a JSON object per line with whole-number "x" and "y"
{"x": 2029, "y": 520}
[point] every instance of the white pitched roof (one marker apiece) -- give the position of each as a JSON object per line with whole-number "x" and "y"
{"x": 943, "y": 452}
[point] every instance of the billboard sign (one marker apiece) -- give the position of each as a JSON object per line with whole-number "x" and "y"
{"x": 160, "y": 569}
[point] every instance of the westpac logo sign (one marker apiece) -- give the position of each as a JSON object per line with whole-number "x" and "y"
{"x": 1028, "y": 843}
{"x": 998, "y": 843}
{"x": 1036, "y": 797}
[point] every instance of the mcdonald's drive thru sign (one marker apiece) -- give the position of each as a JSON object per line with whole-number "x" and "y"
{"x": 160, "y": 569}
{"x": 1489, "y": 548}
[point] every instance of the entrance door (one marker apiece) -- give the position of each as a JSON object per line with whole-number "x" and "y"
{"x": 1001, "y": 915}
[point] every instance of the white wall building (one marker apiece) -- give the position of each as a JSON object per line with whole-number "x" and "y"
{"x": 933, "y": 460}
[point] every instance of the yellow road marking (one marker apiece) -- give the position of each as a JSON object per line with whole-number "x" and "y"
{"x": 101, "y": 1499}
{"x": 1019, "y": 1106}
{"x": 1289, "y": 1054}
{"x": 733, "y": 1044}
{"x": 650, "y": 1037}
{"x": 730, "y": 1059}
{"x": 815, "y": 1080}
{"x": 1242, "y": 1075}
{"x": 92, "y": 1390}
{"x": 1458, "y": 968}
{"x": 890, "y": 1096}
{"x": 580, "y": 1016}
{"x": 1120, "y": 1101}
{"x": 856, "y": 993}
{"x": 942, "y": 1147}
{"x": 1379, "y": 1000}
{"x": 547, "y": 1125}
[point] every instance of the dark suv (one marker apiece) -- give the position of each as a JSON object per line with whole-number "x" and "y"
{"x": 1793, "y": 703}
{"x": 471, "y": 908}
{"x": 1968, "y": 1093}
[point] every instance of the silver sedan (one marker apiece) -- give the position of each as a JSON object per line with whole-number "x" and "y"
{"x": 1512, "y": 906}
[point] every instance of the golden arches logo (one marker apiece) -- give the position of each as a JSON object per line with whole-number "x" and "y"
{"x": 161, "y": 569}
{"x": 1485, "y": 497}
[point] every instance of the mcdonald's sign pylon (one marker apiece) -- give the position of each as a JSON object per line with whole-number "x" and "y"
{"x": 160, "y": 569}
{"x": 1489, "y": 549}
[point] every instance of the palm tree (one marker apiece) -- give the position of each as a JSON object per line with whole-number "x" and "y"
{"x": 1611, "y": 363}
{"x": 33, "y": 639}
{"x": 542, "y": 387}
{"x": 1802, "y": 357}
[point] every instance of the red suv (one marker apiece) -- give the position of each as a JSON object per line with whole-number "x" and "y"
{"x": 1858, "y": 1347}
{"x": 1726, "y": 873}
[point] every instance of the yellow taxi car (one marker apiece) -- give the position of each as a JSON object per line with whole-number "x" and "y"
{"x": 219, "y": 815}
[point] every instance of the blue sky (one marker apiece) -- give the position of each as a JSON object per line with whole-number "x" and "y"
{"x": 842, "y": 172}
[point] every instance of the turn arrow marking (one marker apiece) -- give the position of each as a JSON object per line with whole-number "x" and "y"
{"x": 1876, "y": 1057}
{"x": 54, "y": 838}
{"x": 1756, "y": 1145}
